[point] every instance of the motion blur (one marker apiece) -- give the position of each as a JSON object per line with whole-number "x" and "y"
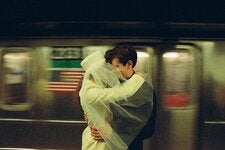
{"x": 39, "y": 77}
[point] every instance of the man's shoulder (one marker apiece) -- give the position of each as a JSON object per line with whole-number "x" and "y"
{"x": 141, "y": 75}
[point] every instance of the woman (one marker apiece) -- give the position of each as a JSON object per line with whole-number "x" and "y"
{"x": 101, "y": 96}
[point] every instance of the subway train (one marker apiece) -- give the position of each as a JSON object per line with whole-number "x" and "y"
{"x": 39, "y": 75}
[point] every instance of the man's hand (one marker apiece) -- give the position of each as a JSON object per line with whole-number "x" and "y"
{"x": 95, "y": 134}
{"x": 85, "y": 117}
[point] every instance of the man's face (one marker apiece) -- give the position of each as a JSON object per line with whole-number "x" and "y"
{"x": 120, "y": 68}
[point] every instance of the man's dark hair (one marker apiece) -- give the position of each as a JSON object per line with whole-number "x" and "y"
{"x": 123, "y": 52}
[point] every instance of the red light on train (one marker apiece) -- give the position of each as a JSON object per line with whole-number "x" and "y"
{"x": 176, "y": 100}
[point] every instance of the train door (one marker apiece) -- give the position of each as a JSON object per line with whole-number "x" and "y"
{"x": 213, "y": 102}
{"x": 179, "y": 88}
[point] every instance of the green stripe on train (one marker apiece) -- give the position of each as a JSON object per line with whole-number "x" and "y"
{"x": 66, "y": 63}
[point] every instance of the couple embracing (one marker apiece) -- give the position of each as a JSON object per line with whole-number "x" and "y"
{"x": 119, "y": 105}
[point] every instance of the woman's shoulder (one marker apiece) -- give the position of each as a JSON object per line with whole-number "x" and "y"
{"x": 138, "y": 76}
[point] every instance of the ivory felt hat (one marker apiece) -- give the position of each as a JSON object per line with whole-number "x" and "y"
{"x": 92, "y": 59}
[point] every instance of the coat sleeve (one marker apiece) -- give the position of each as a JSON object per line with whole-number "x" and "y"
{"x": 97, "y": 94}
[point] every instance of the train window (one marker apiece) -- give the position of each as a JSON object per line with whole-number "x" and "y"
{"x": 176, "y": 78}
{"x": 16, "y": 79}
{"x": 145, "y": 62}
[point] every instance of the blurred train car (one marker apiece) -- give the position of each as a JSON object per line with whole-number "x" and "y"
{"x": 39, "y": 76}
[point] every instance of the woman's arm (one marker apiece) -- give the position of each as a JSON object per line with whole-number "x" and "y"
{"x": 127, "y": 89}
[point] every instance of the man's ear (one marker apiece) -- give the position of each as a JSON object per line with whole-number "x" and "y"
{"x": 130, "y": 63}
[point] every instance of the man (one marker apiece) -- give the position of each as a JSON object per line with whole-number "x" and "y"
{"x": 124, "y": 58}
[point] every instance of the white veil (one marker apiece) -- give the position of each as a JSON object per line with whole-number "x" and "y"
{"x": 117, "y": 119}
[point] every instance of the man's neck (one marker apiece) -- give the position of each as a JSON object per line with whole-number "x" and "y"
{"x": 130, "y": 74}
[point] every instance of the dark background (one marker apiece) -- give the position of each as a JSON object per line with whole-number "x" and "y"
{"x": 112, "y": 10}
{"x": 159, "y": 18}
